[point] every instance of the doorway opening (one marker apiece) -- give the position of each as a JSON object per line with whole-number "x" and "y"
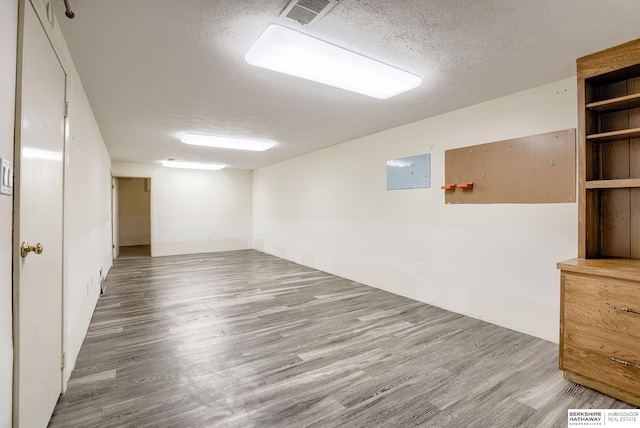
{"x": 132, "y": 217}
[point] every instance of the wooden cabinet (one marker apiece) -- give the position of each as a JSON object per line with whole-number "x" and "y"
{"x": 600, "y": 290}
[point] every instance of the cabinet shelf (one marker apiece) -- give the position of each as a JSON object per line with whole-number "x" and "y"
{"x": 613, "y": 184}
{"x": 614, "y": 135}
{"x": 615, "y": 104}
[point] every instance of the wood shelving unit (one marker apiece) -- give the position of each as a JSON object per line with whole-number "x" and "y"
{"x": 600, "y": 290}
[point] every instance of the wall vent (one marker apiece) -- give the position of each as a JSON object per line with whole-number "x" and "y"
{"x": 308, "y": 12}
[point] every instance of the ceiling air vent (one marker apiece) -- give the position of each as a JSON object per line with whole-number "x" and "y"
{"x": 307, "y": 12}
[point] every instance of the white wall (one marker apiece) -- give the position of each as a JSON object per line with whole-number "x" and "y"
{"x": 134, "y": 212}
{"x": 195, "y": 211}
{"x": 87, "y": 223}
{"x": 330, "y": 210}
{"x": 8, "y": 43}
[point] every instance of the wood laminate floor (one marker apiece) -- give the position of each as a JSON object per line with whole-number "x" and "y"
{"x": 245, "y": 339}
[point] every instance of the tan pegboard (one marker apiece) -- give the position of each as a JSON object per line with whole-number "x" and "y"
{"x": 535, "y": 169}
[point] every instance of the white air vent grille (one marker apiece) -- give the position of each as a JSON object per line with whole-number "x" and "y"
{"x": 307, "y": 12}
{"x": 302, "y": 15}
{"x": 314, "y": 5}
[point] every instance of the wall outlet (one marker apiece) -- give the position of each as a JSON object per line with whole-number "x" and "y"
{"x": 423, "y": 268}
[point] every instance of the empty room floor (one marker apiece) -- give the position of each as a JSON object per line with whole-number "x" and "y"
{"x": 245, "y": 339}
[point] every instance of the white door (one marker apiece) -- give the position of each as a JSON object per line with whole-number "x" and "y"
{"x": 115, "y": 209}
{"x": 38, "y": 204}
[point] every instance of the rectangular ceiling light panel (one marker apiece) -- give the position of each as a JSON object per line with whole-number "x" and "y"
{"x": 286, "y": 51}
{"x": 193, "y": 165}
{"x": 226, "y": 142}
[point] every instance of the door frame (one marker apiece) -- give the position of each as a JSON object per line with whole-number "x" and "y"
{"x": 151, "y": 207}
{"x": 115, "y": 225}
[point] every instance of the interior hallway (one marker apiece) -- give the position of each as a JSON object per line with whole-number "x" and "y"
{"x": 247, "y": 339}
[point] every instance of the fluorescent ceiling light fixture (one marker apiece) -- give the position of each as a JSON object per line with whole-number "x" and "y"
{"x": 290, "y": 52}
{"x": 193, "y": 165}
{"x": 226, "y": 142}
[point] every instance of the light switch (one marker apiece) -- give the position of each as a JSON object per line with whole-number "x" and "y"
{"x": 6, "y": 177}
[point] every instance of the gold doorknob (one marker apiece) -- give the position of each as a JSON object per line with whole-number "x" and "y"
{"x": 25, "y": 249}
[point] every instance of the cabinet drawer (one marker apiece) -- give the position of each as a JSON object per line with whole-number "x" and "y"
{"x": 589, "y": 351}
{"x": 601, "y": 302}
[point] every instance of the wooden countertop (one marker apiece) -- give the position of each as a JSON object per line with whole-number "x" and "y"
{"x": 615, "y": 268}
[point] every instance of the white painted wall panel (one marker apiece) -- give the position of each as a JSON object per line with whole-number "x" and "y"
{"x": 87, "y": 223}
{"x": 330, "y": 210}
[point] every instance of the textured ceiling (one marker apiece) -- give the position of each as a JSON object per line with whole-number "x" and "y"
{"x": 154, "y": 69}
